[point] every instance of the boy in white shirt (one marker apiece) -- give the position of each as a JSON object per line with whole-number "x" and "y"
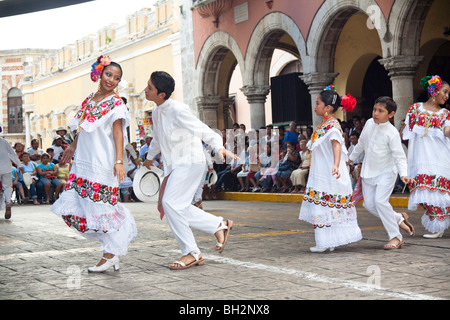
{"x": 384, "y": 159}
{"x": 178, "y": 135}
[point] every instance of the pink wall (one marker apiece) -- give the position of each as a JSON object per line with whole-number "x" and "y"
{"x": 301, "y": 11}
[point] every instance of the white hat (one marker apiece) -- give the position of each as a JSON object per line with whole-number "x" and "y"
{"x": 212, "y": 178}
{"x": 27, "y": 179}
{"x": 146, "y": 183}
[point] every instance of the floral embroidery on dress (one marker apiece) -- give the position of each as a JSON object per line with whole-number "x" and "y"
{"x": 95, "y": 191}
{"x": 78, "y": 223}
{"x": 431, "y": 183}
{"x": 426, "y": 120}
{"x": 93, "y": 112}
{"x": 328, "y": 200}
{"x": 321, "y": 130}
{"x": 437, "y": 212}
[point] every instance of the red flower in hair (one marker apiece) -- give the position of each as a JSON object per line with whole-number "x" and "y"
{"x": 348, "y": 102}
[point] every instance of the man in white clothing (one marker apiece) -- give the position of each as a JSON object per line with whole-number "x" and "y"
{"x": 384, "y": 159}
{"x": 7, "y": 155}
{"x": 178, "y": 135}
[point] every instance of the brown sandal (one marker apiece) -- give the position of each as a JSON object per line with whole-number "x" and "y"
{"x": 391, "y": 246}
{"x": 408, "y": 224}
{"x": 227, "y": 229}
{"x": 199, "y": 261}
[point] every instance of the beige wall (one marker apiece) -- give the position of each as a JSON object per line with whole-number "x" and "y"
{"x": 61, "y": 82}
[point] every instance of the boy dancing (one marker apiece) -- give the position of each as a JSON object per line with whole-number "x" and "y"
{"x": 178, "y": 135}
{"x": 384, "y": 159}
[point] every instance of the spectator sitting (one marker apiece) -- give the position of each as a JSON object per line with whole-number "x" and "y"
{"x": 58, "y": 148}
{"x": 228, "y": 177}
{"x": 17, "y": 181}
{"x": 291, "y": 134}
{"x": 299, "y": 176}
{"x": 244, "y": 172}
{"x": 127, "y": 184}
{"x": 28, "y": 167}
{"x": 34, "y": 152}
{"x": 47, "y": 172}
{"x": 62, "y": 132}
{"x": 290, "y": 161}
{"x": 51, "y": 153}
{"x": 300, "y": 138}
{"x": 144, "y": 148}
{"x": 19, "y": 148}
{"x": 267, "y": 166}
{"x": 354, "y": 166}
{"x": 253, "y": 166}
{"x": 63, "y": 172}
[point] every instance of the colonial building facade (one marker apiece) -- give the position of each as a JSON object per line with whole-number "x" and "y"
{"x": 53, "y": 83}
{"x": 255, "y": 62}
{"x": 367, "y": 48}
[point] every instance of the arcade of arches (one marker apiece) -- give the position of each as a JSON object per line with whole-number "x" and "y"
{"x": 366, "y": 48}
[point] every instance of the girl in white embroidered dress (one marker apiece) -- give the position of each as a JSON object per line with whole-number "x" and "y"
{"x": 428, "y": 131}
{"x": 327, "y": 202}
{"x": 90, "y": 201}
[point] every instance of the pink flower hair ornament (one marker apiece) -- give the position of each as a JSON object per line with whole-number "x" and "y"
{"x": 431, "y": 84}
{"x": 98, "y": 66}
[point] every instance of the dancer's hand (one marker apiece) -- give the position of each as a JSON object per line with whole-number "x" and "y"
{"x": 148, "y": 163}
{"x": 119, "y": 172}
{"x": 407, "y": 180}
{"x": 68, "y": 154}
{"x": 224, "y": 152}
{"x": 335, "y": 171}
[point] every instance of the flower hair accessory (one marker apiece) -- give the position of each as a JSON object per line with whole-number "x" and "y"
{"x": 98, "y": 66}
{"x": 431, "y": 84}
{"x": 330, "y": 87}
{"x": 348, "y": 102}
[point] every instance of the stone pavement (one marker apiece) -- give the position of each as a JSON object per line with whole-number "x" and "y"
{"x": 267, "y": 258}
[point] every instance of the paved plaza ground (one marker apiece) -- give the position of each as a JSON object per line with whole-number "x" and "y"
{"x": 267, "y": 258}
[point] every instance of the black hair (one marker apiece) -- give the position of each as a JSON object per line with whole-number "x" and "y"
{"x": 388, "y": 103}
{"x": 354, "y": 133}
{"x": 163, "y": 82}
{"x": 331, "y": 98}
{"x": 114, "y": 64}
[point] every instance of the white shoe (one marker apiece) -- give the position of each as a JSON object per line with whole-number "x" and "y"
{"x": 114, "y": 261}
{"x": 434, "y": 235}
{"x": 317, "y": 249}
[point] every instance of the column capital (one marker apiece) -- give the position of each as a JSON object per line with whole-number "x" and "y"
{"x": 317, "y": 82}
{"x": 401, "y": 66}
{"x": 256, "y": 94}
{"x": 208, "y": 102}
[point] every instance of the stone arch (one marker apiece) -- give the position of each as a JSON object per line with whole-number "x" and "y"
{"x": 406, "y": 20}
{"x": 327, "y": 25}
{"x": 210, "y": 59}
{"x": 264, "y": 39}
{"x": 217, "y": 60}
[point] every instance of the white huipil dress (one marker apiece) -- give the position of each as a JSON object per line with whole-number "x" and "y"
{"x": 327, "y": 201}
{"x": 90, "y": 202}
{"x": 429, "y": 165}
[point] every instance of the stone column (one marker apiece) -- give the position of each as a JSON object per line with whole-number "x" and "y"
{"x": 316, "y": 82}
{"x": 27, "y": 130}
{"x": 207, "y": 110}
{"x": 256, "y": 97}
{"x": 402, "y": 70}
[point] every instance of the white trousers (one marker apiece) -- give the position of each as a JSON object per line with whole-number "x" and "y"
{"x": 181, "y": 214}
{"x": 376, "y": 192}
{"x": 6, "y": 179}
{"x": 199, "y": 192}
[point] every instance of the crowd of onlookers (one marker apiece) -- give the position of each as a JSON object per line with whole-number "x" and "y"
{"x": 270, "y": 159}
